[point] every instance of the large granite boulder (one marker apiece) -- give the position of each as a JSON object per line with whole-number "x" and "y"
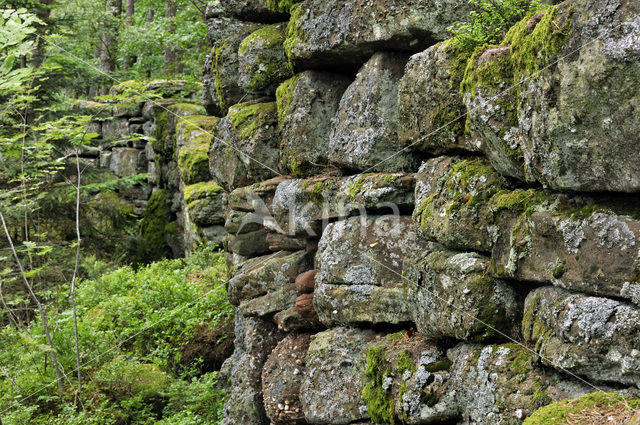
{"x": 246, "y": 149}
{"x": 306, "y": 104}
{"x": 364, "y": 131}
{"x": 262, "y": 63}
{"x": 589, "y": 336}
{"x": 452, "y": 295}
{"x": 251, "y": 10}
{"x": 331, "y": 33}
{"x": 360, "y": 263}
{"x": 431, "y": 112}
{"x": 569, "y": 121}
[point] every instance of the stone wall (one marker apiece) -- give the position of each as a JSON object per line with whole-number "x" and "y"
{"x": 416, "y": 233}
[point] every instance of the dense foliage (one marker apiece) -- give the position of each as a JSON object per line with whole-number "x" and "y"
{"x": 489, "y": 21}
{"x": 135, "y": 327}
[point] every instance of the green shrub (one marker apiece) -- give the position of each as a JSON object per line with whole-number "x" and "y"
{"x": 490, "y": 20}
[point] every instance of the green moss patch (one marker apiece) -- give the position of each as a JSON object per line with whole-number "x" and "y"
{"x": 558, "y": 413}
{"x": 248, "y": 117}
{"x": 378, "y": 400}
{"x": 201, "y": 190}
{"x": 281, "y": 6}
{"x": 295, "y": 35}
{"x": 284, "y": 98}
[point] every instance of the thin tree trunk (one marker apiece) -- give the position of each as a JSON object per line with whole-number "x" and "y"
{"x": 169, "y": 51}
{"x": 75, "y": 275}
{"x": 43, "y": 316}
{"x": 128, "y": 20}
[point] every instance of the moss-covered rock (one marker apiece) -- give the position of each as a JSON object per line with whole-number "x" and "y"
{"x": 246, "y": 149}
{"x": 452, "y": 295}
{"x": 359, "y": 28}
{"x": 498, "y": 384}
{"x": 365, "y": 286}
{"x": 364, "y": 130}
{"x": 406, "y": 381}
{"x": 155, "y": 227}
{"x": 306, "y": 103}
{"x": 331, "y": 391}
{"x": 300, "y": 206}
{"x": 567, "y": 122}
{"x": 262, "y": 62}
{"x": 259, "y": 276}
{"x": 431, "y": 111}
{"x": 120, "y": 379}
{"x": 280, "y": 6}
{"x": 206, "y": 203}
{"x": 588, "y": 336}
{"x": 193, "y": 137}
{"x": 453, "y": 202}
{"x": 252, "y": 10}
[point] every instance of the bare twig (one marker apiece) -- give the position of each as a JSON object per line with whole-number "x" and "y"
{"x": 43, "y": 316}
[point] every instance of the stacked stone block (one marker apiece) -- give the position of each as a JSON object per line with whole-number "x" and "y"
{"x": 415, "y": 233}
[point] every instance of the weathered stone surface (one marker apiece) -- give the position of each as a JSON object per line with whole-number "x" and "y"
{"x": 271, "y": 303}
{"x": 248, "y": 244}
{"x": 127, "y": 109}
{"x": 452, "y": 295}
{"x": 589, "y": 249}
{"x": 360, "y": 264}
{"x": 281, "y": 379}
{"x": 301, "y": 206}
{"x": 452, "y": 202}
{"x": 364, "y": 131}
{"x": 406, "y": 381}
{"x": 127, "y": 162}
{"x": 205, "y": 203}
{"x": 431, "y": 112}
{"x": 181, "y": 89}
{"x": 220, "y": 71}
{"x": 589, "y": 336}
{"x": 262, "y": 63}
{"x": 250, "y": 10}
{"x": 278, "y": 242}
{"x": 306, "y": 104}
{"x": 305, "y": 282}
{"x": 302, "y": 316}
{"x": 193, "y": 138}
{"x": 331, "y": 391}
{"x": 258, "y": 276}
{"x": 214, "y": 9}
{"x": 330, "y": 33}
{"x": 571, "y": 124}
{"x": 497, "y": 385}
{"x": 242, "y": 222}
{"x": 255, "y": 339}
{"x": 246, "y": 149}
{"x": 153, "y": 107}
{"x": 115, "y": 129}
{"x": 257, "y": 197}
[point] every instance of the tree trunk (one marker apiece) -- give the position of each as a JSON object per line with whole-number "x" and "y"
{"x": 169, "y": 52}
{"x": 108, "y": 40}
{"x": 128, "y": 20}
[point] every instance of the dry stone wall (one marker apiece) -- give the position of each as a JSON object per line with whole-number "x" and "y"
{"x": 419, "y": 242}
{"x": 410, "y": 239}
